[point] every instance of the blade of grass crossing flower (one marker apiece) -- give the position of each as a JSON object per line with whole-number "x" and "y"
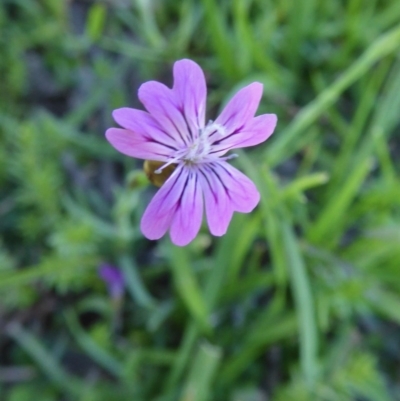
{"x": 304, "y": 305}
{"x": 289, "y": 141}
{"x": 187, "y": 286}
{"x": 202, "y": 373}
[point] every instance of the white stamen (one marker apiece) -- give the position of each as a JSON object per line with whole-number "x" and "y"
{"x": 172, "y": 161}
{"x": 199, "y": 150}
{"x": 232, "y": 156}
{"x": 212, "y": 128}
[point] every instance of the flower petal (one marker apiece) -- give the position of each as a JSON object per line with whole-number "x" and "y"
{"x": 160, "y": 212}
{"x": 256, "y": 131}
{"x": 135, "y": 145}
{"x": 241, "y": 108}
{"x": 143, "y": 124}
{"x": 219, "y": 209}
{"x": 241, "y": 190}
{"x": 162, "y": 104}
{"x": 191, "y": 92}
{"x": 189, "y": 213}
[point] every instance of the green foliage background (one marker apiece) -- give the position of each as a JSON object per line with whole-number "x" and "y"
{"x": 299, "y": 301}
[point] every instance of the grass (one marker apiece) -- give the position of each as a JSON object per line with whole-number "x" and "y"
{"x": 298, "y": 301}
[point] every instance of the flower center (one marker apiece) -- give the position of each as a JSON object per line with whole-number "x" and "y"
{"x": 200, "y": 148}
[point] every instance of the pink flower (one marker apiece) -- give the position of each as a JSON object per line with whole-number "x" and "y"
{"x": 173, "y": 131}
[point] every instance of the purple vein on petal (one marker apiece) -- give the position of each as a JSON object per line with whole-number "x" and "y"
{"x": 128, "y": 143}
{"x": 191, "y": 92}
{"x": 159, "y": 213}
{"x": 219, "y": 209}
{"x": 160, "y": 102}
{"x": 189, "y": 212}
{"x": 143, "y": 124}
{"x": 238, "y": 188}
{"x": 241, "y": 108}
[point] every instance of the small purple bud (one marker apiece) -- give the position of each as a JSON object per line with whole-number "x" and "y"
{"x": 114, "y": 280}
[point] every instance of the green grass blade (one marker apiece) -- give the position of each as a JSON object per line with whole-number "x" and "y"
{"x": 329, "y": 223}
{"x": 301, "y": 288}
{"x": 289, "y": 141}
{"x": 219, "y": 35}
{"x": 204, "y": 368}
{"x": 135, "y": 284}
{"x": 98, "y": 354}
{"x": 44, "y": 358}
{"x": 187, "y": 286}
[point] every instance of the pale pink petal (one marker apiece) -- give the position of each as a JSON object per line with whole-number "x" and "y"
{"x": 144, "y": 124}
{"x": 219, "y": 209}
{"x": 241, "y": 108}
{"x": 135, "y": 145}
{"x": 189, "y": 212}
{"x": 256, "y": 131}
{"x": 191, "y": 92}
{"x": 162, "y": 104}
{"x": 241, "y": 191}
{"x": 160, "y": 212}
